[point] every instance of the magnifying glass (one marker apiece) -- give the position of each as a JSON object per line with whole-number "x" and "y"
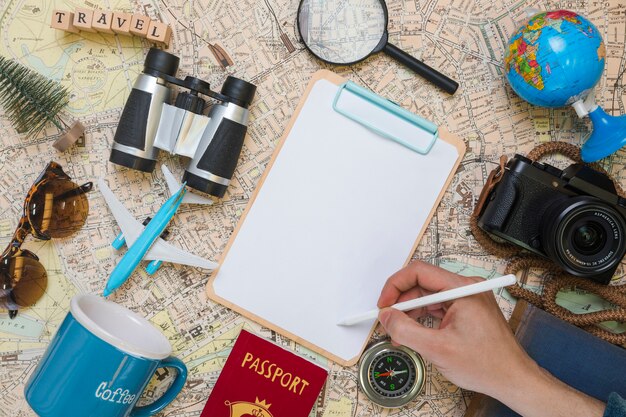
{"x": 348, "y": 31}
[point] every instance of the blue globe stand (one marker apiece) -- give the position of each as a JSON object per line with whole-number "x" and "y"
{"x": 608, "y": 136}
{"x": 556, "y": 58}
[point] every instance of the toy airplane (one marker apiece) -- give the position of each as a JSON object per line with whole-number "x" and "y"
{"x": 153, "y": 248}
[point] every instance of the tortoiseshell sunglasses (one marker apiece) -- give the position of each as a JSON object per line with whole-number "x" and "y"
{"x": 54, "y": 207}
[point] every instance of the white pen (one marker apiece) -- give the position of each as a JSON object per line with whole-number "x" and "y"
{"x": 439, "y": 297}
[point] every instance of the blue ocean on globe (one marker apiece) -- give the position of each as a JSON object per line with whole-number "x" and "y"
{"x": 555, "y": 59}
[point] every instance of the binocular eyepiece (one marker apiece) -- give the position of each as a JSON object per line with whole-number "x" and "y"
{"x": 159, "y": 63}
{"x": 149, "y": 122}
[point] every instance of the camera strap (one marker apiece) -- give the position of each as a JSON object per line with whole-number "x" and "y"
{"x": 498, "y": 248}
{"x": 494, "y": 178}
{"x": 614, "y": 294}
{"x": 560, "y": 280}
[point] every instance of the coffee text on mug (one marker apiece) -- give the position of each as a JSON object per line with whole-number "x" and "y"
{"x": 119, "y": 395}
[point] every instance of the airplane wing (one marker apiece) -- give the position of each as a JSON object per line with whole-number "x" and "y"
{"x": 174, "y": 186}
{"x": 163, "y": 251}
{"x": 131, "y": 228}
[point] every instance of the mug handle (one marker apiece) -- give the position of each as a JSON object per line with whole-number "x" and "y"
{"x": 170, "y": 394}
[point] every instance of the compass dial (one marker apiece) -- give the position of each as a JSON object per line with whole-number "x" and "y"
{"x": 392, "y": 373}
{"x": 391, "y": 376}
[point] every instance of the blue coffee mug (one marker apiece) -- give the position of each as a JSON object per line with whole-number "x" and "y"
{"x": 99, "y": 362}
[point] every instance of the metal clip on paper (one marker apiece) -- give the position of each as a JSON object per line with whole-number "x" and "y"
{"x": 391, "y": 108}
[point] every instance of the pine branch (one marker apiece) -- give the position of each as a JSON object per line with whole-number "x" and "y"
{"x": 29, "y": 99}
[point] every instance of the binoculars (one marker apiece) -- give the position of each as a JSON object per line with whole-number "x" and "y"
{"x": 149, "y": 122}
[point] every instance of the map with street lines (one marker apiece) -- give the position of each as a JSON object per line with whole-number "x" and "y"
{"x": 258, "y": 41}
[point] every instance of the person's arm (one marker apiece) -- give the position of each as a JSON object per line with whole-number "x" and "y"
{"x": 535, "y": 392}
{"x": 474, "y": 346}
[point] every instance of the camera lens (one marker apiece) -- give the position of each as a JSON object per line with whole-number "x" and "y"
{"x": 584, "y": 235}
{"x": 589, "y": 238}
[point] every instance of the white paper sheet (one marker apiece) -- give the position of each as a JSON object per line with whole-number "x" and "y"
{"x": 338, "y": 213}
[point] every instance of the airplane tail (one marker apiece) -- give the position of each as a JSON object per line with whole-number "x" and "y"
{"x": 174, "y": 186}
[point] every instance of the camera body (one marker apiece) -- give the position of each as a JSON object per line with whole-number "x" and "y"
{"x": 573, "y": 217}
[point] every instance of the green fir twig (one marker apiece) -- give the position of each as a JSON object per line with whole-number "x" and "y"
{"x": 29, "y": 99}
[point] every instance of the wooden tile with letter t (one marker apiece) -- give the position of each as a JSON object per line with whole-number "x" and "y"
{"x": 82, "y": 19}
{"x": 159, "y": 32}
{"x": 63, "y": 20}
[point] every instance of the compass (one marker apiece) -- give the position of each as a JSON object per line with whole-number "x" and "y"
{"x": 391, "y": 376}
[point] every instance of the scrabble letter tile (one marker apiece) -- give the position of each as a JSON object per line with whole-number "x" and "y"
{"x": 121, "y": 23}
{"x": 63, "y": 20}
{"x": 159, "y": 32}
{"x": 139, "y": 25}
{"x": 82, "y": 19}
{"x": 102, "y": 21}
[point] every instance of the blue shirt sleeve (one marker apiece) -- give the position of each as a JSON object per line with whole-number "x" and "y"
{"x": 615, "y": 406}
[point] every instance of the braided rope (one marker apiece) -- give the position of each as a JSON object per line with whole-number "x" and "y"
{"x": 560, "y": 280}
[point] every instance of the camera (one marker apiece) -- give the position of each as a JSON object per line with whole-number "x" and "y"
{"x": 149, "y": 122}
{"x": 573, "y": 217}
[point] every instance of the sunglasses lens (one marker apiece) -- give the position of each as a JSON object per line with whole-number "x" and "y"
{"x": 58, "y": 208}
{"x": 22, "y": 282}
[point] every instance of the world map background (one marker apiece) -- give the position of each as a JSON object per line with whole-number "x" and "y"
{"x": 464, "y": 39}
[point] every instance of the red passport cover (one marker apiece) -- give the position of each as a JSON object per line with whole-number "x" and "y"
{"x": 261, "y": 379}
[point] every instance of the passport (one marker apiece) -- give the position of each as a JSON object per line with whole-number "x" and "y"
{"x": 261, "y": 379}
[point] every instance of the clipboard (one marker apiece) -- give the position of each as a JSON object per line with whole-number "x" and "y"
{"x": 342, "y": 205}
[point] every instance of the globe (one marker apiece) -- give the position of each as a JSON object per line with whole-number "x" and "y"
{"x": 555, "y": 59}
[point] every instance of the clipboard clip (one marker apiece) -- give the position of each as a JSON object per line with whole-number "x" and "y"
{"x": 392, "y": 108}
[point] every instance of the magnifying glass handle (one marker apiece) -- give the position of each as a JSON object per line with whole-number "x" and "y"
{"x": 446, "y": 84}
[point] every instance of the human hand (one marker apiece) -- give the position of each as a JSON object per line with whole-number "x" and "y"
{"x": 473, "y": 347}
